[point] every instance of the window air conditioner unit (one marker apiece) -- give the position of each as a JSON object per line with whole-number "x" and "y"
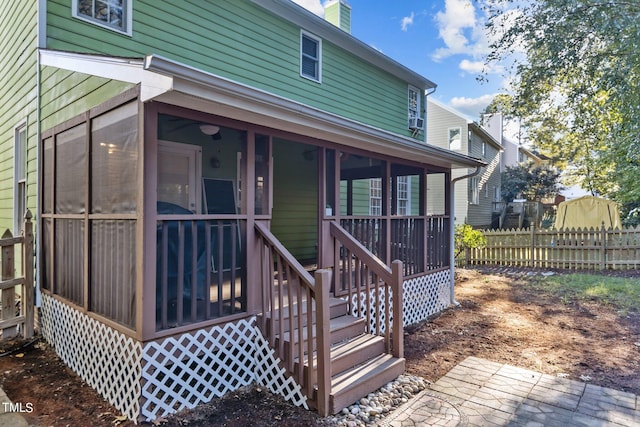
{"x": 416, "y": 123}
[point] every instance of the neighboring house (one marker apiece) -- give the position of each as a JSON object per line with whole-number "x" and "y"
{"x": 476, "y": 197}
{"x": 185, "y": 162}
{"x": 514, "y": 153}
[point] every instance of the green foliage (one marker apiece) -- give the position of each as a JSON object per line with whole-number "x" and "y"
{"x": 530, "y": 183}
{"x": 576, "y": 73}
{"x": 622, "y": 294}
{"x": 466, "y": 237}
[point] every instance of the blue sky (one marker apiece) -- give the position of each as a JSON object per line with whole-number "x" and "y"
{"x": 443, "y": 40}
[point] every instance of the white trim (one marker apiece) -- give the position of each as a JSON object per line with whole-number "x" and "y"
{"x": 318, "y": 40}
{"x": 42, "y": 23}
{"x": 128, "y": 70}
{"x": 128, "y": 21}
{"x": 20, "y": 161}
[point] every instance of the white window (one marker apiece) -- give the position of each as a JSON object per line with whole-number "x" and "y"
{"x": 475, "y": 191}
{"x": 111, "y": 14}
{"x": 20, "y": 177}
{"x": 496, "y": 194}
{"x": 375, "y": 196}
{"x": 414, "y": 102}
{"x": 310, "y": 57}
{"x": 484, "y": 149}
{"x": 402, "y": 194}
{"x": 455, "y": 138}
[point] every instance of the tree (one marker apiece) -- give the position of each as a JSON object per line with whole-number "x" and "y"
{"x": 530, "y": 183}
{"x": 577, "y": 73}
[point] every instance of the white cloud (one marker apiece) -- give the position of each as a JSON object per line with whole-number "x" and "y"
{"x": 407, "y": 21}
{"x": 314, "y": 6}
{"x": 472, "y": 107}
{"x": 459, "y": 29}
{"x": 478, "y": 67}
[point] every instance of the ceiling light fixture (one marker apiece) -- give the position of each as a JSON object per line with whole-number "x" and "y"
{"x": 209, "y": 129}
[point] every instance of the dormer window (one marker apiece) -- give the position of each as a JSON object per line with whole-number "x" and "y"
{"x": 112, "y": 14}
{"x": 310, "y": 57}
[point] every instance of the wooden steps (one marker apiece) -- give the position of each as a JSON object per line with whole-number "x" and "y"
{"x": 359, "y": 362}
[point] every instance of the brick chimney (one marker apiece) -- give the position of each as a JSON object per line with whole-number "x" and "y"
{"x": 338, "y": 12}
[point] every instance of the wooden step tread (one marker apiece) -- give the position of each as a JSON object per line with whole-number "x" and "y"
{"x": 343, "y": 348}
{"x": 364, "y": 372}
{"x": 336, "y": 324}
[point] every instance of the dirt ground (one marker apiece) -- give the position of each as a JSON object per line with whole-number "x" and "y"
{"x": 499, "y": 318}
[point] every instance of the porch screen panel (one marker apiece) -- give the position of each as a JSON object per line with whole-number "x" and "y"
{"x": 113, "y": 263}
{"x": 70, "y": 173}
{"x": 262, "y": 172}
{"x": 47, "y": 176}
{"x": 47, "y": 251}
{"x": 114, "y": 157}
{"x": 69, "y": 259}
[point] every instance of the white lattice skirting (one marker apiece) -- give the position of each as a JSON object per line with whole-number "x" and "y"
{"x": 161, "y": 378}
{"x": 107, "y": 360}
{"x": 423, "y": 296}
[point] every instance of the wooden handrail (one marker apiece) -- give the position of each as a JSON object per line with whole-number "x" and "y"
{"x": 349, "y": 242}
{"x": 291, "y": 297}
{"x": 283, "y": 252}
{"x": 382, "y": 280}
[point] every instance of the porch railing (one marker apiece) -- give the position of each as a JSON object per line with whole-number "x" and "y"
{"x": 200, "y": 271}
{"x": 420, "y": 242}
{"x": 295, "y": 305}
{"x": 374, "y": 290}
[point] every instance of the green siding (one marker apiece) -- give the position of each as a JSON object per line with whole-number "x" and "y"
{"x": 18, "y": 58}
{"x": 243, "y": 42}
{"x": 295, "y": 200}
{"x": 66, "y": 94}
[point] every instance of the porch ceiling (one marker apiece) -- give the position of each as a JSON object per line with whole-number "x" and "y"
{"x": 195, "y": 89}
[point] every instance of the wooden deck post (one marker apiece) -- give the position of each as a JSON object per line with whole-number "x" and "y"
{"x": 28, "y": 286}
{"x": 398, "y": 322}
{"x": 323, "y": 337}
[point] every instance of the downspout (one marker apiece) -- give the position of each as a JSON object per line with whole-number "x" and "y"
{"x": 452, "y": 217}
{"x": 40, "y": 44}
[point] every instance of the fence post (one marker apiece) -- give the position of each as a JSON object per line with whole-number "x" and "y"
{"x": 532, "y": 254}
{"x": 28, "y": 286}
{"x": 603, "y": 238}
{"x": 8, "y": 295}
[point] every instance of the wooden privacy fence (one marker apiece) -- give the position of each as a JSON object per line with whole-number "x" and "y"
{"x": 590, "y": 249}
{"x": 17, "y": 317}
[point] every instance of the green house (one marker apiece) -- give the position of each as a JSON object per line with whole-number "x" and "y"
{"x": 225, "y": 192}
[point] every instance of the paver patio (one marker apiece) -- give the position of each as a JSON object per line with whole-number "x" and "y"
{"x": 478, "y": 392}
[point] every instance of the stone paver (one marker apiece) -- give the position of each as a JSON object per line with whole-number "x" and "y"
{"x": 480, "y": 392}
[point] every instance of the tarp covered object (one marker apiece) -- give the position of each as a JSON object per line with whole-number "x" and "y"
{"x": 587, "y": 212}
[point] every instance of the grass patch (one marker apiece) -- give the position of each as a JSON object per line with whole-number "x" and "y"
{"x": 622, "y": 294}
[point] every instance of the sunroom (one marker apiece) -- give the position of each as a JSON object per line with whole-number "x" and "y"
{"x": 175, "y": 223}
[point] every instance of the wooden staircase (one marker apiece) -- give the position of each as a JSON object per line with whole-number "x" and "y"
{"x": 335, "y": 357}
{"x": 359, "y": 361}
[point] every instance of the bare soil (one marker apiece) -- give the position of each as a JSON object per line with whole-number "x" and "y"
{"x": 500, "y": 318}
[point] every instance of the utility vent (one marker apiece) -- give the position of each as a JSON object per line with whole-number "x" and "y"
{"x": 416, "y": 123}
